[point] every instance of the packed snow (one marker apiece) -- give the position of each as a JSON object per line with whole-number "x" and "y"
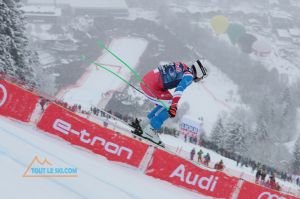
{"x": 97, "y": 177}
{"x": 96, "y": 86}
{"x": 214, "y": 95}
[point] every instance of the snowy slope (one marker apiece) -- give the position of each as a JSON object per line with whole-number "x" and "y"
{"x": 97, "y": 85}
{"x": 217, "y": 93}
{"x": 97, "y": 177}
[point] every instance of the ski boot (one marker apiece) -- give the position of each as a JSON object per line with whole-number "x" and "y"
{"x": 150, "y": 134}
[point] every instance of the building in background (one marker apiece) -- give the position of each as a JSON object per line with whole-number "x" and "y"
{"x": 42, "y": 13}
{"x": 49, "y": 10}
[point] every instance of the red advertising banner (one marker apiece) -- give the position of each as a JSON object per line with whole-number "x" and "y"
{"x": 82, "y": 132}
{"x": 181, "y": 172}
{"x": 253, "y": 191}
{"x": 16, "y": 102}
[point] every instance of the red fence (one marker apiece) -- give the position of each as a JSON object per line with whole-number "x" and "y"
{"x": 17, "y": 103}
{"x": 181, "y": 172}
{"x": 253, "y": 191}
{"x": 82, "y": 132}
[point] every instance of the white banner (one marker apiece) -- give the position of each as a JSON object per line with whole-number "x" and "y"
{"x": 191, "y": 127}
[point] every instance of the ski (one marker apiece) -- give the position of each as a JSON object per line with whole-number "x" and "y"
{"x": 112, "y": 72}
{"x": 140, "y": 132}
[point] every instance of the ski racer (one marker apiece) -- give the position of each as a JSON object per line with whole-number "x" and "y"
{"x": 156, "y": 86}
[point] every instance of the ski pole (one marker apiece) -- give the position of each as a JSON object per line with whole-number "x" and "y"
{"x": 102, "y": 45}
{"x": 112, "y": 72}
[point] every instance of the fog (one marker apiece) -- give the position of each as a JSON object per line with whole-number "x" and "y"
{"x": 255, "y": 44}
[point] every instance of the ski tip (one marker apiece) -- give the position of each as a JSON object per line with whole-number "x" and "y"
{"x": 100, "y": 43}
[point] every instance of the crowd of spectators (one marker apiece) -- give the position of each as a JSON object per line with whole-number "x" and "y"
{"x": 261, "y": 170}
{"x": 260, "y": 178}
{"x": 204, "y": 160}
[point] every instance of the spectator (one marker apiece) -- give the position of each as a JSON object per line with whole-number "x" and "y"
{"x": 238, "y": 160}
{"x": 219, "y": 165}
{"x": 278, "y": 187}
{"x": 272, "y": 183}
{"x": 263, "y": 174}
{"x": 206, "y": 159}
{"x": 105, "y": 123}
{"x": 243, "y": 162}
{"x": 254, "y": 166}
{"x": 102, "y": 114}
{"x": 193, "y": 152}
{"x": 257, "y": 175}
{"x": 200, "y": 152}
{"x": 200, "y": 142}
{"x": 136, "y": 125}
{"x": 185, "y": 137}
{"x": 43, "y": 101}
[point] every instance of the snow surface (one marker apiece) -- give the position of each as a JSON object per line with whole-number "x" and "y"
{"x": 208, "y": 99}
{"x": 97, "y": 84}
{"x": 97, "y": 177}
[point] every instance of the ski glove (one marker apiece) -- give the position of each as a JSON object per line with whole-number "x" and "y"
{"x": 173, "y": 110}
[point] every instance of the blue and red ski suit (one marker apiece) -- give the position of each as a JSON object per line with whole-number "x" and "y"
{"x": 174, "y": 75}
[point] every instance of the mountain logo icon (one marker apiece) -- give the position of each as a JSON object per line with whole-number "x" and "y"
{"x": 44, "y": 168}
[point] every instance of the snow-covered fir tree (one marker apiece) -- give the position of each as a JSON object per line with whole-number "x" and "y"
{"x": 261, "y": 130}
{"x": 236, "y": 134}
{"x": 296, "y": 158}
{"x": 287, "y": 116}
{"x": 230, "y": 132}
{"x": 16, "y": 59}
{"x": 218, "y": 133}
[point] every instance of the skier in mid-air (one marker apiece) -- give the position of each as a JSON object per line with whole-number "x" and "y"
{"x": 156, "y": 84}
